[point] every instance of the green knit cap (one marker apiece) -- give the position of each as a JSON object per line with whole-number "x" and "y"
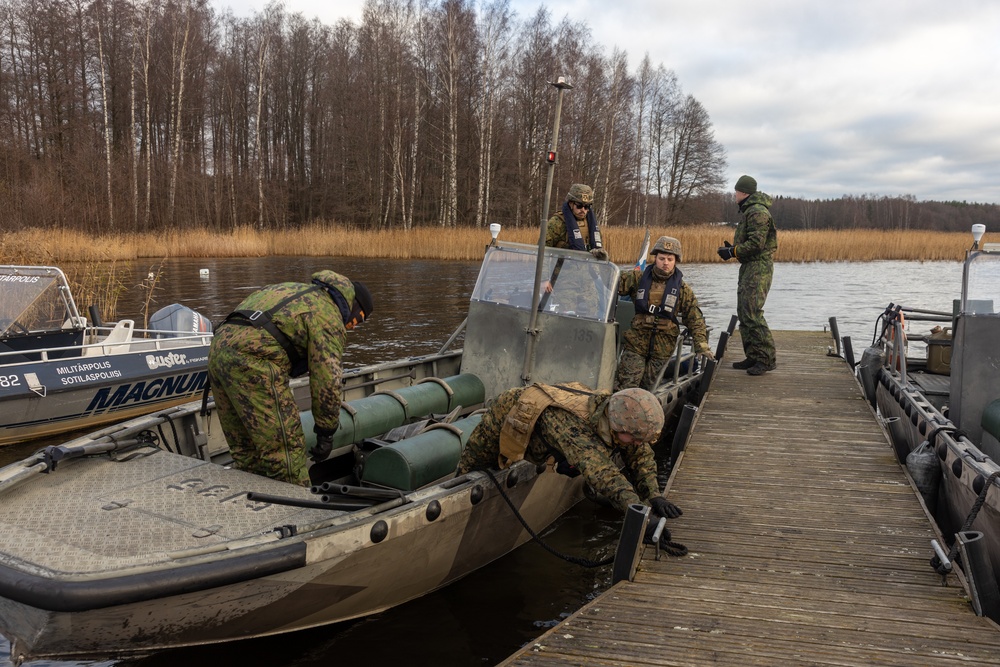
{"x": 746, "y": 185}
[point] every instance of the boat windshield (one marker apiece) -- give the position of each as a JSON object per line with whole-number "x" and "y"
{"x": 580, "y": 285}
{"x": 981, "y": 293}
{"x": 35, "y": 298}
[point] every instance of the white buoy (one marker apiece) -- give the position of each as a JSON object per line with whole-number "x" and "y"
{"x": 203, "y": 273}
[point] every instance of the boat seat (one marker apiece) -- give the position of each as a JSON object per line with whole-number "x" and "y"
{"x": 118, "y": 338}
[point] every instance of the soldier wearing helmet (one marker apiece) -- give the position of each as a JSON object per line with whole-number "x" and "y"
{"x": 576, "y": 429}
{"x": 278, "y": 332}
{"x": 574, "y": 226}
{"x": 662, "y": 302}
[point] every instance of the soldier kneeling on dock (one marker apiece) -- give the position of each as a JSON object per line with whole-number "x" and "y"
{"x": 574, "y": 426}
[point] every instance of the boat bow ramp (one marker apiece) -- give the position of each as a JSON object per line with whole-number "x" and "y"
{"x": 808, "y": 544}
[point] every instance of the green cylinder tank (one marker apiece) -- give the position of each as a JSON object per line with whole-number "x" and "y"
{"x": 420, "y": 460}
{"x": 385, "y": 410}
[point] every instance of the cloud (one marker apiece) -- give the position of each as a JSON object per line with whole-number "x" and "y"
{"x": 817, "y": 99}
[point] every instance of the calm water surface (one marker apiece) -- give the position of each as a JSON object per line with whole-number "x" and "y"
{"x": 418, "y": 304}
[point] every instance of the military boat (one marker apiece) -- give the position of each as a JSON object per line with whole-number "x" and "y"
{"x": 142, "y": 536}
{"x": 941, "y": 410}
{"x": 60, "y": 372}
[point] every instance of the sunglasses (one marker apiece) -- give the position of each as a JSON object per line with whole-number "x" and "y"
{"x": 585, "y": 207}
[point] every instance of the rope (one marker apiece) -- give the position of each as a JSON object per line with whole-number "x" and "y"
{"x": 672, "y": 548}
{"x": 976, "y": 506}
{"x": 576, "y": 560}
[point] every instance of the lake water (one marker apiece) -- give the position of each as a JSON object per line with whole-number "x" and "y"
{"x": 418, "y": 304}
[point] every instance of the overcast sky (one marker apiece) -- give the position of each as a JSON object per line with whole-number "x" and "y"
{"x": 814, "y": 99}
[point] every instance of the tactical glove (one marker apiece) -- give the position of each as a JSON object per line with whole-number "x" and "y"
{"x": 727, "y": 251}
{"x": 600, "y": 253}
{"x": 663, "y": 507}
{"x": 322, "y": 448}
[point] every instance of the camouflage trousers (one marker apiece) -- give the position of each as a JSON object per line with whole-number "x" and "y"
{"x": 256, "y": 408}
{"x": 755, "y": 282}
{"x": 557, "y": 433}
{"x": 635, "y": 371}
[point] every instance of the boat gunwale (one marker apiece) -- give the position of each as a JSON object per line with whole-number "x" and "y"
{"x": 264, "y": 554}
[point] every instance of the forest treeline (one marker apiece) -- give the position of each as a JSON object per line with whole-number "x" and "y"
{"x": 121, "y": 116}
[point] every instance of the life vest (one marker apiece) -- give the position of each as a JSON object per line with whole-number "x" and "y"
{"x": 574, "y": 397}
{"x": 573, "y": 235}
{"x": 671, "y": 292}
{"x": 261, "y": 319}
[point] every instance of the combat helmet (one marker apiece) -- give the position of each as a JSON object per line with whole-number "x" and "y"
{"x": 580, "y": 193}
{"x": 667, "y": 244}
{"x": 636, "y": 412}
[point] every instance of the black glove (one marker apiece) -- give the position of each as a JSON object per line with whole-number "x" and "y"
{"x": 600, "y": 253}
{"x": 322, "y": 448}
{"x": 647, "y": 538}
{"x": 663, "y": 507}
{"x": 727, "y": 251}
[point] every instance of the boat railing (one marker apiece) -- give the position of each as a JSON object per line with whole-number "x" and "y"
{"x": 106, "y": 347}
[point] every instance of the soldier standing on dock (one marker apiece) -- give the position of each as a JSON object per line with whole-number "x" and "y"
{"x": 756, "y": 240}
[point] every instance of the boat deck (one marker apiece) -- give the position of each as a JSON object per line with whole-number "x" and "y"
{"x": 808, "y": 546}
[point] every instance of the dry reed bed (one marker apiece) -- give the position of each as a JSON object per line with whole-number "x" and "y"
{"x": 699, "y": 244}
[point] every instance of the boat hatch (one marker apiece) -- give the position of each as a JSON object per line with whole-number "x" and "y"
{"x": 576, "y": 333}
{"x": 975, "y": 382}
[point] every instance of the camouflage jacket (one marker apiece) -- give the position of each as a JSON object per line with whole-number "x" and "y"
{"x": 586, "y": 442}
{"x": 643, "y": 324}
{"x": 313, "y": 324}
{"x": 756, "y": 237}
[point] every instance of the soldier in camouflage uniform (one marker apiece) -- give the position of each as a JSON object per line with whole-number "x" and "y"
{"x": 572, "y": 423}
{"x": 660, "y": 295}
{"x": 564, "y": 229}
{"x": 574, "y": 227}
{"x": 278, "y": 332}
{"x": 756, "y": 241}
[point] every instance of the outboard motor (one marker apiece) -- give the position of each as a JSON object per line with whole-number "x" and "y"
{"x": 177, "y": 320}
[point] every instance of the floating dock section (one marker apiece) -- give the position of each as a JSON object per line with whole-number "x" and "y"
{"x": 808, "y": 544}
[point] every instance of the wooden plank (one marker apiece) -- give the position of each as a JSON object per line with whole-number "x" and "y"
{"x": 808, "y": 544}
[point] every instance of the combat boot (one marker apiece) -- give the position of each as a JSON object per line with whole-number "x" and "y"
{"x": 758, "y": 369}
{"x": 744, "y": 365}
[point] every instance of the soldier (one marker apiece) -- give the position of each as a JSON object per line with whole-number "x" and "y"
{"x": 756, "y": 241}
{"x": 283, "y": 331}
{"x": 573, "y": 424}
{"x": 660, "y": 295}
{"x": 564, "y": 229}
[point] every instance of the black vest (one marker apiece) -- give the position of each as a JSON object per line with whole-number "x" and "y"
{"x": 573, "y": 236}
{"x": 667, "y": 307}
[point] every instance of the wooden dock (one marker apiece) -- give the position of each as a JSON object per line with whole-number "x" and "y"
{"x": 808, "y": 545}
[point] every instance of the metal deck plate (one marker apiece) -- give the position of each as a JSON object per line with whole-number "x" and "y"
{"x": 97, "y": 515}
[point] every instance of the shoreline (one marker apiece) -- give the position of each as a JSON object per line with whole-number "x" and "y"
{"x": 698, "y": 243}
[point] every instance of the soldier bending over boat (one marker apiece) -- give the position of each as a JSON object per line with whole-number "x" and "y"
{"x": 572, "y": 425}
{"x": 283, "y": 331}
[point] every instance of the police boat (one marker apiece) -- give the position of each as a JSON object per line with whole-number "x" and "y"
{"x": 941, "y": 411}
{"x": 142, "y": 536}
{"x": 60, "y": 372}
